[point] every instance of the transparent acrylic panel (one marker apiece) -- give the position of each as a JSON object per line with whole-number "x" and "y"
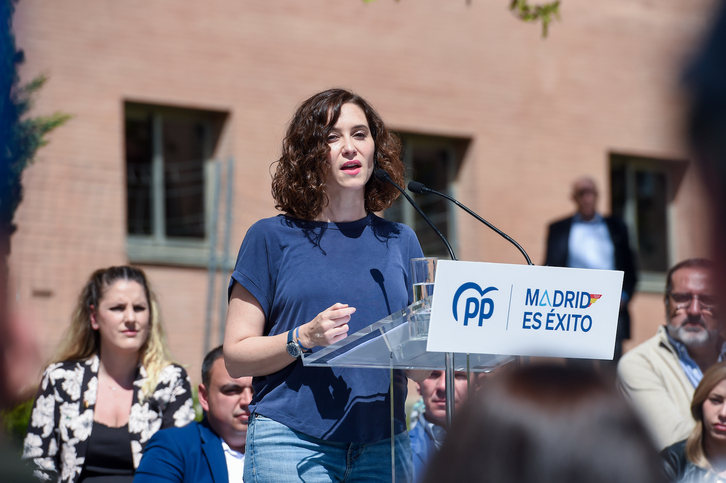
{"x": 398, "y": 341}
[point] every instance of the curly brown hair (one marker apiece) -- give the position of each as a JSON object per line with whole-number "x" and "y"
{"x": 298, "y": 185}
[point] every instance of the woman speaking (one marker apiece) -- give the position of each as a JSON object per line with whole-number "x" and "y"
{"x": 325, "y": 267}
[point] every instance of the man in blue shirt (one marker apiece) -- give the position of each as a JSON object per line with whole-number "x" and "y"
{"x": 429, "y": 429}
{"x": 589, "y": 240}
{"x": 211, "y": 451}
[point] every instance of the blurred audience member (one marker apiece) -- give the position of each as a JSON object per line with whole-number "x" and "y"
{"x": 546, "y": 424}
{"x": 19, "y": 358}
{"x": 702, "y": 457}
{"x": 589, "y": 240}
{"x": 705, "y": 449}
{"x": 111, "y": 388}
{"x": 212, "y": 451}
{"x": 428, "y": 433}
{"x": 659, "y": 375}
{"x": 706, "y": 82}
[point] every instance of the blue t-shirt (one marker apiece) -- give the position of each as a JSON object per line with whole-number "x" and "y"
{"x": 296, "y": 269}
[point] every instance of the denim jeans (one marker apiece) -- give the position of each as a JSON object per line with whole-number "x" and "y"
{"x": 278, "y": 454}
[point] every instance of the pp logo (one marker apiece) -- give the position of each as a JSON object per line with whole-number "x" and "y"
{"x": 475, "y": 307}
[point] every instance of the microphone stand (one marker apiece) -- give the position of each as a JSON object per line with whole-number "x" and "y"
{"x": 420, "y": 188}
{"x": 383, "y": 175}
{"x": 417, "y": 187}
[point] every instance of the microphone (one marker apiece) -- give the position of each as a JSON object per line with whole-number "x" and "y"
{"x": 383, "y": 175}
{"x": 420, "y": 188}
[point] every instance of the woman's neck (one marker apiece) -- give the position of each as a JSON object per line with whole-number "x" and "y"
{"x": 121, "y": 367}
{"x": 343, "y": 209}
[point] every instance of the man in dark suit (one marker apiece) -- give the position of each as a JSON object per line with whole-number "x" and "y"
{"x": 211, "y": 451}
{"x": 589, "y": 240}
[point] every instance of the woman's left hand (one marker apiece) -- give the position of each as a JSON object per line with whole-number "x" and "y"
{"x": 328, "y": 327}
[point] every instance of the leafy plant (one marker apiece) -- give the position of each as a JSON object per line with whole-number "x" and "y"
{"x": 15, "y": 420}
{"x": 528, "y": 13}
{"x": 20, "y": 136}
{"x": 533, "y": 13}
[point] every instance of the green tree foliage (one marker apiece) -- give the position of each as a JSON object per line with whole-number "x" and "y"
{"x": 20, "y": 136}
{"x": 534, "y": 13}
{"x": 528, "y": 13}
{"x": 15, "y": 420}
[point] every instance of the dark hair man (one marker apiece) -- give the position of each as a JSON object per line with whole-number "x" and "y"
{"x": 660, "y": 375}
{"x": 429, "y": 430}
{"x": 212, "y": 450}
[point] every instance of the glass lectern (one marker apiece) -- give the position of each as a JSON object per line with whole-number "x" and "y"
{"x": 399, "y": 342}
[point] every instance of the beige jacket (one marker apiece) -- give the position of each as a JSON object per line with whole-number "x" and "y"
{"x": 652, "y": 379}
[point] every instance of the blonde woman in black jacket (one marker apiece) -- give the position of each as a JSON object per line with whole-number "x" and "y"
{"x": 111, "y": 387}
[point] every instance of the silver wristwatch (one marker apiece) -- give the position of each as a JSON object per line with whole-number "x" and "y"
{"x": 292, "y": 346}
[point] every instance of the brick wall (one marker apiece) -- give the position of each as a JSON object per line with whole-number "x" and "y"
{"x": 538, "y": 113}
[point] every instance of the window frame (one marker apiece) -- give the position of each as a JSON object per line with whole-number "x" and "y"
{"x": 158, "y": 248}
{"x": 409, "y": 216}
{"x": 649, "y": 280}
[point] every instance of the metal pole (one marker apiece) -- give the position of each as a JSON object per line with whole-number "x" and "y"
{"x": 158, "y": 187}
{"x": 393, "y": 423}
{"x": 449, "y": 380}
{"x": 225, "y": 250}
{"x": 212, "y": 267}
{"x": 469, "y": 387}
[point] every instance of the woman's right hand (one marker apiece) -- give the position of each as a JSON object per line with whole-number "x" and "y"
{"x": 328, "y": 327}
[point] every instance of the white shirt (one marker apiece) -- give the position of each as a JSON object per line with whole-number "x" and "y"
{"x": 235, "y": 463}
{"x": 590, "y": 245}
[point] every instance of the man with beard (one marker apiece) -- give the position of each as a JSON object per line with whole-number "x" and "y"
{"x": 660, "y": 375}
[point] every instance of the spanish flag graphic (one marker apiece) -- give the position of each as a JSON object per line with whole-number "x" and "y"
{"x": 594, "y": 297}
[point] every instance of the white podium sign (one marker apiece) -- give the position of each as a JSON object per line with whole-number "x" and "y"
{"x": 492, "y": 308}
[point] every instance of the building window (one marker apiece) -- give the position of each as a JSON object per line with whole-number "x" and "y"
{"x": 168, "y": 152}
{"x": 642, "y": 190}
{"x": 433, "y": 161}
